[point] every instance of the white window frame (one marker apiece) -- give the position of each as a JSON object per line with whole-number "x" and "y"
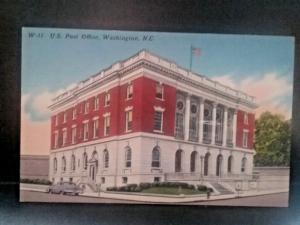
{"x": 161, "y": 110}
{"x": 55, "y": 139}
{"x": 107, "y": 99}
{"x": 74, "y": 113}
{"x": 128, "y": 110}
{"x": 85, "y": 130}
{"x": 246, "y": 119}
{"x": 106, "y": 120}
{"x": 96, "y": 103}
{"x": 86, "y": 107}
{"x": 74, "y": 133}
{"x": 162, "y": 91}
{"x": 56, "y": 120}
{"x": 64, "y": 137}
{"x": 129, "y": 91}
{"x": 95, "y": 127}
{"x": 65, "y": 117}
{"x": 245, "y": 138}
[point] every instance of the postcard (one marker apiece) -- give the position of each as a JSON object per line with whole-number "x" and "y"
{"x": 155, "y": 118}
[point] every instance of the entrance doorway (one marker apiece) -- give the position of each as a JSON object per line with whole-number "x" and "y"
{"x": 92, "y": 172}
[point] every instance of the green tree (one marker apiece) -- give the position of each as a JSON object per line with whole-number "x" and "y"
{"x": 272, "y": 140}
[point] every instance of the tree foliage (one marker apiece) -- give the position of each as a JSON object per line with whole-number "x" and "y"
{"x": 272, "y": 140}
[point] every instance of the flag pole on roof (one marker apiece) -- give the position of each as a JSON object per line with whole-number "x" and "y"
{"x": 194, "y": 51}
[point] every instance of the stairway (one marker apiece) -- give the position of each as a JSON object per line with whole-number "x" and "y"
{"x": 222, "y": 190}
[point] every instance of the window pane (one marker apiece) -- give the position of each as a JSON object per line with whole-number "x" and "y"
{"x": 157, "y": 120}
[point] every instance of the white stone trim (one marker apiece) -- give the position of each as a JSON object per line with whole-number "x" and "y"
{"x": 159, "y": 108}
{"x": 107, "y": 140}
{"x": 106, "y": 114}
{"x": 128, "y": 108}
{"x": 96, "y": 118}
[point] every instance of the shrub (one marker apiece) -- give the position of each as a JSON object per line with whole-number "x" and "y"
{"x": 201, "y": 188}
{"x": 35, "y": 181}
{"x": 145, "y": 185}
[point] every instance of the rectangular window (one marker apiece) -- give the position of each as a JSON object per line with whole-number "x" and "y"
{"x": 106, "y": 125}
{"x": 107, "y": 99}
{"x": 64, "y": 137}
{"x": 86, "y": 107}
{"x": 65, "y": 117}
{"x": 245, "y": 118}
{"x": 124, "y": 180}
{"x": 103, "y": 180}
{"x": 56, "y": 120}
{"x": 56, "y": 139}
{"x": 96, "y": 128}
{"x": 129, "y": 91}
{"x": 85, "y": 131}
{"x": 74, "y": 114}
{"x": 73, "y": 135}
{"x": 159, "y": 91}
{"x": 96, "y": 103}
{"x": 245, "y": 138}
{"x": 158, "y": 116}
{"x": 128, "y": 120}
{"x": 179, "y": 126}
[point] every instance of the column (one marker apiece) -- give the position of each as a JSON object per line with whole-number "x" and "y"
{"x": 234, "y": 128}
{"x": 224, "y": 139}
{"x": 213, "y": 130}
{"x": 187, "y": 117}
{"x": 201, "y": 118}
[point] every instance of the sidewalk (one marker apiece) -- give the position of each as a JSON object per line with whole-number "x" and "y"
{"x": 177, "y": 199}
{"x": 156, "y": 198}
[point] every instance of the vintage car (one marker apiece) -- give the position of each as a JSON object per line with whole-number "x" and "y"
{"x": 65, "y": 188}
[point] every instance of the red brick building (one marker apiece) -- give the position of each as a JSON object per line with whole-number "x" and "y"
{"x": 146, "y": 119}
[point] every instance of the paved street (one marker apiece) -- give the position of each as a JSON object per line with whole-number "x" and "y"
{"x": 33, "y": 196}
{"x": 270, "y": 200}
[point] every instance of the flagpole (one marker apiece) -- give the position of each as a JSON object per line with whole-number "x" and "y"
{"x": 191, "y": 58}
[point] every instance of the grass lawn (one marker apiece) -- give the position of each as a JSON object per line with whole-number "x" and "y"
{"x": 171, "y": 191}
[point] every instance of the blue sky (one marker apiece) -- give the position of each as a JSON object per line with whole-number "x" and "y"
{"x": 46, "y": 61}
{"x": 261, "y": 66}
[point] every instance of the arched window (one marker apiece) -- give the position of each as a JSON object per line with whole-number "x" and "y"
{"x": 219, "y": 165}
{"x": 63, "y": 164}
{"x": 206, "y": 163}
{"x": 155, "y": 157}
{"x": 128, "y": 157}
{"x": 178, "y": 160}
{"x": 229, "y": 165}
{"x": 55, "y": 165}
{"x": 105, "y": 158}
{"x": 193, "y": 161}
{"x": 73, "y": 163}
{"x": 84, "y": 160}
{"x": 244, "y": 162}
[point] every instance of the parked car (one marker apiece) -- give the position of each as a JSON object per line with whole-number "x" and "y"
{"x": 65, "y": 188}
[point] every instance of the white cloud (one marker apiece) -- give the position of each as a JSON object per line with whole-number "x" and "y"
{"x": 267, "y": 89}
{"x": 35, "y": 136}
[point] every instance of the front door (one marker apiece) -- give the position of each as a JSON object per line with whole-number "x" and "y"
{"x": 93, "y": 172}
